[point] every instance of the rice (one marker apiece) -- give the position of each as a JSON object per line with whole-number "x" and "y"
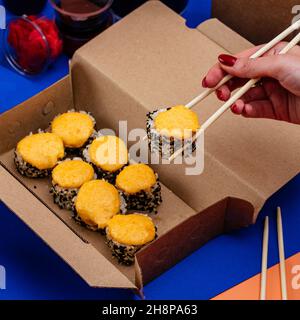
{"x": 28, "y": 170}
{"x": 165, "y": 146}
{"x": 125, "y": 254}
{"x": 144, "y": 200}
{"x": 64, "y": 197}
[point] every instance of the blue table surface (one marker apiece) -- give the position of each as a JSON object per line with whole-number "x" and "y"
{"x": 34, "y": 271}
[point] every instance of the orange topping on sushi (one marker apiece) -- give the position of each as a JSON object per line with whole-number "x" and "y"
{"x": 109, "y": 153}
{"x": 72, "y": 173}
{"x": 41, "y": 150}
{"x": 74, "y": 128}
{"x": 97, "y": 202}
{"x": 136, "y": 178}
{"x": 178, "y": 122}
{"x": 131, "y": 229}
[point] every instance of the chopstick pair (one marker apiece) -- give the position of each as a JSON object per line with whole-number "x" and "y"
{"x": 242, "y": 90}
{"x": 264, "y": 265}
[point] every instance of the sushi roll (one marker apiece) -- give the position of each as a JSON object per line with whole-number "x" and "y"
{"x": 37, "y": 154}
{"x": 75, "y": 129}
{"x": 127, "y": 234}
{"x": 96, "y": 203}
{"x": 140, "y": 188}
{"x": 67, "y": 177}
{"x": 170, "y": 129}
{"x": 108, "y": 155}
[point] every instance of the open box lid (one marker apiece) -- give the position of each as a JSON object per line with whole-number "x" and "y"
{"x": 146, "y": 60}
{"x": 257, "y": 21}
{"x": 151, "y": 59}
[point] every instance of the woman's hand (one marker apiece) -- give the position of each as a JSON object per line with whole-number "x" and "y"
{"x": 278, "y": 94}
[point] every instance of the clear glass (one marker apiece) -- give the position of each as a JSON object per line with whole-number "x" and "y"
{"x": 81, "y": 20}
{"x": 39, "y": 60}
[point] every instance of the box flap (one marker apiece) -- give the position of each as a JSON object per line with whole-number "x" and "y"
{"x": 225, "y": 37}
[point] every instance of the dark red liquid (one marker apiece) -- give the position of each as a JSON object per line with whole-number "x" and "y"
{"x": 80, "y": 21}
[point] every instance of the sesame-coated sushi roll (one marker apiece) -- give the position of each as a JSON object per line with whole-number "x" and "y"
{"x": 75, "y": 129}
{"x": 127, "y": 234}
{"x": 67, "y": 177}
{"x": 140, "y": 188}
{"x": 108, "y": 155}
{"x": 170, "y": 129}
{"x": 37, "y": 154}
{"x": 96, "y": 203}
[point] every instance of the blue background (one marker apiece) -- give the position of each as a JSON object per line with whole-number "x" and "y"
{"x": 35, "y": 272}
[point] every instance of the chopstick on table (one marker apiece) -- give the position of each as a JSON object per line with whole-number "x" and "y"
{"x": 264, "y": 263}
{"x": 231, "y": 101}
{"x": 257, "y": 54}
{"x": 281, "y": 255}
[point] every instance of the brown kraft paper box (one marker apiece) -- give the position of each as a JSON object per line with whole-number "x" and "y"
{"x": 146, "y": 60}
{"x": 256, "y": 20}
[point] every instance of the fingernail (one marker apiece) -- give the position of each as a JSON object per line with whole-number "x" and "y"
{"x": 227, "y": 60}
{"x": 234, "y": 108}
{"x": 220, "y": 95}
{"x": 204, "y": 83}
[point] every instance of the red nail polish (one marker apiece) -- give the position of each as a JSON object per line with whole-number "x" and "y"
{"x": 204, "y": 83}
{"x": 234, "y": 108}
{"x": 227, "y": 60}
{"x": 220, "y": 95}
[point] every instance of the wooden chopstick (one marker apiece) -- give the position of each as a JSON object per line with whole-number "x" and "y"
{"x": 264, "y": 263}
{"x": 281, "y": 255}
{"x": 231, "y": 101}
{"x": 257, "y": 54}
{"x": 295, "y": 26}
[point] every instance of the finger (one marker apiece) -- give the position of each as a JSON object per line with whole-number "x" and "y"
{"x": 256, "y": 93}
{"x": 213, "y": 77}
{"x": 259, "y": 109}
{"x": 216, "y": 73}
{"x": 279, "y": 98}
{"x": 236, "y": 83}
{"x": 276, "y": 49}
{"x": 254, "y": 109}
{"x": 276, "y": 67}
{"x": 223, "y": 93}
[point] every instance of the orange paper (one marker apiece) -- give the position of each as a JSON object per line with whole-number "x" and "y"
{"x": 250, "y": 289}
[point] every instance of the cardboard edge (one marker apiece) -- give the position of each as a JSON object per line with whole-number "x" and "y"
{"x": 41, "y": 112}
{"x": 219, "y": 33}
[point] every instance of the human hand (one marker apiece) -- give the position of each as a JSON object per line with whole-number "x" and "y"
{"x": 278, "y": 94}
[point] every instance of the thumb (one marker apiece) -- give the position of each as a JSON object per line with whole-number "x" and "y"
{"x": 269, "y": 66}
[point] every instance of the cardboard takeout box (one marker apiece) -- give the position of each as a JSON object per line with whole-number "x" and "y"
{"x": 152, "y": 59}
{"x": 259, "y": 21}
